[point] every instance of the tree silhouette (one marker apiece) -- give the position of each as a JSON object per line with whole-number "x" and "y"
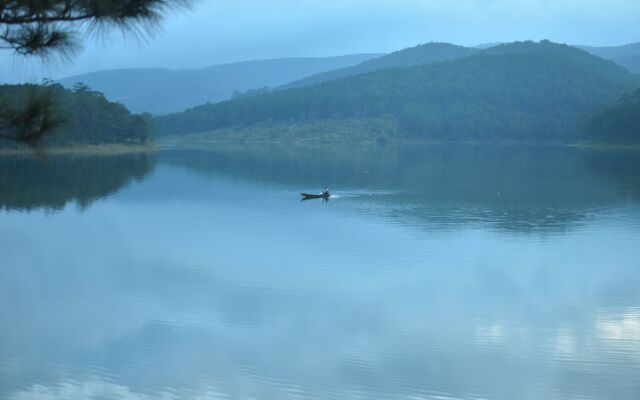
{"x": 44, "y": 28}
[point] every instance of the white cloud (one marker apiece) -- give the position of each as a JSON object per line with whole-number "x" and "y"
{"x": 625, "y": 328}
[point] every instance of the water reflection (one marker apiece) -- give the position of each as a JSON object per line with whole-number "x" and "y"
{"x": 517, "y": 188}
{"x": 28, "y": 183}
{"x": 210, "y": 279}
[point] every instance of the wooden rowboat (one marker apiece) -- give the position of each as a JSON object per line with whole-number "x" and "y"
{"x": 308, "y": 196}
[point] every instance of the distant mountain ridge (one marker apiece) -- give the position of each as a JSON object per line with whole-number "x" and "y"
{"x": 161, "y": 91}
{"x": 518, "y": 91}
{"x": 627, "y": 55}
{"x": 427, "y": 53}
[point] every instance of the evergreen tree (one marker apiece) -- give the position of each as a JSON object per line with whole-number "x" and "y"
{"x": 45, "y": 28}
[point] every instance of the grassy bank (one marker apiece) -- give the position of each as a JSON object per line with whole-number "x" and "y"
{"x": 343, "y": 132}
{"x": 312, "y": 132}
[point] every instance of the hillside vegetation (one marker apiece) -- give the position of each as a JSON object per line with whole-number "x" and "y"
{"x": 86, "y": 116}
{"x": 161, "y": 91}
{"x": 521, "y": 91}
{"x": 419, "y": 55}
{"x": 619, "y": 122}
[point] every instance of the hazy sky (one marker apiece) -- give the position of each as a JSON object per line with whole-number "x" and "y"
{"x": 219, "y": 31}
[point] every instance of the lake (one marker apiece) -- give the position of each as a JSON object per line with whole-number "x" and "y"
{"x": 434, "y": 272}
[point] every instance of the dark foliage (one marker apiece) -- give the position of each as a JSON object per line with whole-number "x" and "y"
{"x": 619, "y": 122}
{"x": 80, "y": 116}
{"x": 30, "y": 113}
{"x": 42, "y": 27}
{"x": 52, "y": 27}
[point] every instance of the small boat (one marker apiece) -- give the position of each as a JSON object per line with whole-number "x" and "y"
{"x": 308, "y": 196}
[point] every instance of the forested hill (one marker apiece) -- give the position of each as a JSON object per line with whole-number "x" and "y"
{"x": 619, "y": 122}
{"x": 519, "y": 91}
{"x": 83, "y": 116}
{"x": 428, "y": 53}
{"x": 161, "y": 91}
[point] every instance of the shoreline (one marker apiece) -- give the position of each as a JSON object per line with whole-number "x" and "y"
{"x": 176, "y": 142}
{"x": 88, "y": 149}
{"x": 184, "y": 143}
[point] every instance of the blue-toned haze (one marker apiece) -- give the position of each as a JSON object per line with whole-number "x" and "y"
{"x": 219, "y": 31}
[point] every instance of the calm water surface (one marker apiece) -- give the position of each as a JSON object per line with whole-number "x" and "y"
{"x": 442, "y": 272}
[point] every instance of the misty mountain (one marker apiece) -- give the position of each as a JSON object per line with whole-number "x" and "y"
{"x": 518, "y": 91}
{"x": 161, "y": 91}
{"x": 628, "y": 55}
{"x": 428, "y": 53}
